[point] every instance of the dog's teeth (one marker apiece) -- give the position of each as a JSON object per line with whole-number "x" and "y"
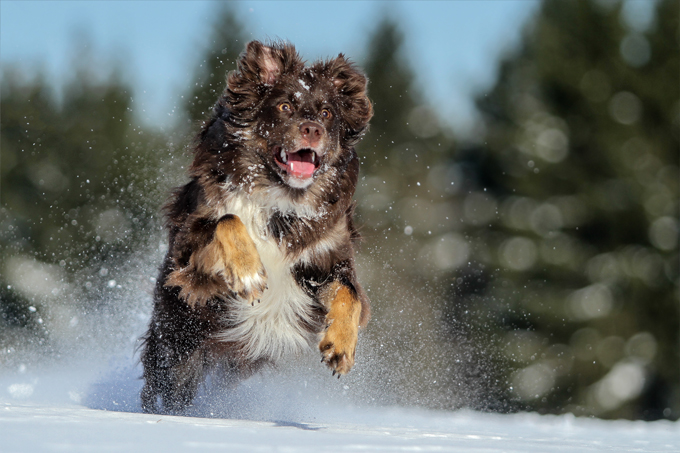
{"x": 284, "y": 157}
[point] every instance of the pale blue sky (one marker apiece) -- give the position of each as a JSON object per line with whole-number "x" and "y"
{"x": 454, "y": 44}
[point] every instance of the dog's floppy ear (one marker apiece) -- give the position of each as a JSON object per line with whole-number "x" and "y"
{"x": 261, "y": 63}
{"x": 351, "y": 85}
{"x": 259, "y": 67}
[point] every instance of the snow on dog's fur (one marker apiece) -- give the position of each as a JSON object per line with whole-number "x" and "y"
{"x": 261, "y": 240}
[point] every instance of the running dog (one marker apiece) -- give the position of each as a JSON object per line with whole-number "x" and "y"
{"x": 260, "y": 262}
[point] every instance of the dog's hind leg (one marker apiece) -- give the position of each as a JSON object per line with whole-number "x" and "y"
{"x": 173, "y": 357}
{"x": 175, "y": 385}
{"x": 183, "y": 381}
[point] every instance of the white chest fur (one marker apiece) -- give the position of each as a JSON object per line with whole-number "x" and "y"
{"x": 270, "y": 329}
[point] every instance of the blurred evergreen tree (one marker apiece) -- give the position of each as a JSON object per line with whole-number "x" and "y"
{"x": 78, "y": 188}
{"x": 405, "y": 138}
{"x": 579, "y": 173}
{"x": 391, "y": 84}
{"x": 407, "y": 196}
{"x": 227, "y": 40}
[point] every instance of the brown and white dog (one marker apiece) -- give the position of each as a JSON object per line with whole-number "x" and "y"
{"x": 261, "y": 240}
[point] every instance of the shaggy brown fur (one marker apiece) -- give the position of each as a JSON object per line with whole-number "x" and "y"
{"x": 261, "y": 240}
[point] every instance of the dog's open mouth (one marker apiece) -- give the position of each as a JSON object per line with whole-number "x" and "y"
{"x": 300, "y": 164}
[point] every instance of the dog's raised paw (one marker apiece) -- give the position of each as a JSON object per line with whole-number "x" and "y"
{"x": 251, "y": 286}
{"x": 338, "y": 346}
{"x": 239, "y": 262}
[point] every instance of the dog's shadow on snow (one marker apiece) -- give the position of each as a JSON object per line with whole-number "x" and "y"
{"x": 302, "y": 426}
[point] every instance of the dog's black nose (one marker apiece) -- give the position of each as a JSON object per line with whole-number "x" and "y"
{"x": 311, "y": 132}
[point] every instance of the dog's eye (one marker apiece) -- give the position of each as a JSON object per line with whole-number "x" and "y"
{"x": 326, "y": 114}
{"x": 285, "y": 107}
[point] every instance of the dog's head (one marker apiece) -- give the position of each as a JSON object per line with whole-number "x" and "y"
{"x": 301, "y": 119}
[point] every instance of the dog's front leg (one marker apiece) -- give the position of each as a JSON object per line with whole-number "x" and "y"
{"x": 339, "y": 342}
{"x": 229, "y": 262}
{"x": 236, "y": 259}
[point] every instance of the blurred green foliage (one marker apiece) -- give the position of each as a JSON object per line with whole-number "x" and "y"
{"x": 573, "y": 212}
{"x": 79, "y": 186}
{"x": 536, "y": 266}
{"x": 533, "y": 266}
{"x": 226, "y": 41}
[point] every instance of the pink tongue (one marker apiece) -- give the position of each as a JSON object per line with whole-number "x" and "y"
{"x": 300, "y": 165}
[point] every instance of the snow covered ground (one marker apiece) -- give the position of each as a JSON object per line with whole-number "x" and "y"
{"x": 77, "y": 409}
{"x": 43, "y": 428}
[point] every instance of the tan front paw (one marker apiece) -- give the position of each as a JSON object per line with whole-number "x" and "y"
{"x": 339, "y": 345}
{"x": 340, "y": 340}
{"x": 247, "y": 283}
{"x": 231, "y": 261}
{"x": 239, "y": 262}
